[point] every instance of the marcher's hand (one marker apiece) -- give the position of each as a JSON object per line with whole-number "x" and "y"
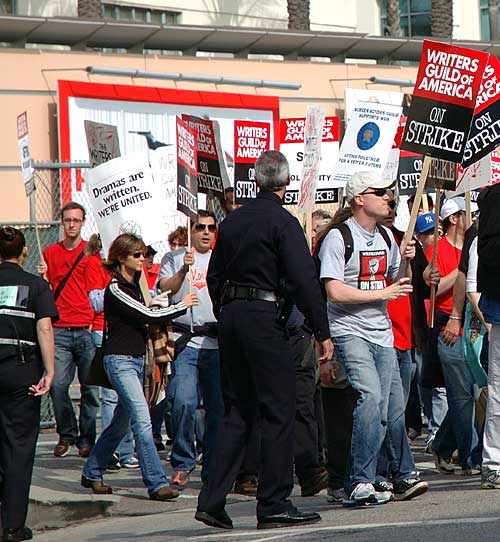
{"x": 400, "y": 288}
{"x": 188, "y": 259}
{"x": 43, "y": 385}
{"x": 160, "y": 300}
{"x": 325, "y": 351}
{"x": 42, "y": 267}
{"x": 488, "y": 328}
{"x": 409, "y": 251}
{"x": 191, "y": 300}
{"x": 431, "y": 276}
{"x": 326, "y": 373}
{"x": 450, "y": 332}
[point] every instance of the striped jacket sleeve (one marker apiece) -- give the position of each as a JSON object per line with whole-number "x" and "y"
{"x": 135, "y": 310}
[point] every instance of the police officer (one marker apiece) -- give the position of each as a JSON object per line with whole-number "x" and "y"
{"x": 258, "y": 246}
{"x": 26, "y": 372}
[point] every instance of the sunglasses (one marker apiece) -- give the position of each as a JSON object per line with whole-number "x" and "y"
{"x": 379, "y": 192}
{"x": 202, "y": 227}
{"x": 137, "y": 254}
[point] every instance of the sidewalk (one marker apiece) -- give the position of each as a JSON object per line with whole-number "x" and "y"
{"x": 58, "y": 500}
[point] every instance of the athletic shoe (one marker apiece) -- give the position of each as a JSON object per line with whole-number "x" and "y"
{"x": 179, "y": 479}
{"x": 62, "y": 448}
{"x": 131, "y": 463}
{"x": 473, "y": 470}
{"x": 407, "y": 489}
{"x": 490, "y": 479}
{"x": 115, "y": 464}
{"x": 364, "y": 494}
{"x": 383, "y": 485}
{"x": 335, "y": 495}
{"x": 413, "y": 433}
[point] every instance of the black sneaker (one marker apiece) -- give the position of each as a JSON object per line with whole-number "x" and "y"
{"x": 407, "y": 489}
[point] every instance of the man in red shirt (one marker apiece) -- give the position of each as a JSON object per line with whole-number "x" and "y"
{"x": 456, "y": 430}
{"x": 63, "y": 266}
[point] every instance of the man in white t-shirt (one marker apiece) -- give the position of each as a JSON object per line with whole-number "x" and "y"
{"x": 196, "y": 370}
{"x": 359, "y": 265}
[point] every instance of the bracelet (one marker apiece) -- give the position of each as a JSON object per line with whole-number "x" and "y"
{"x": 455, "y": 317}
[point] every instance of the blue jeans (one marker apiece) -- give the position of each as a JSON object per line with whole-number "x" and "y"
{"x": 405, "y": 371}
{"x": 195, "y": 371}
{"x": 74, "y": 350}
{"x": 126, "y": 374}
{"x": 395, "y": 460}
{"x": 370, "y": 371}
{"x": 109, "y": 399}
{"x": 456, "y": 431}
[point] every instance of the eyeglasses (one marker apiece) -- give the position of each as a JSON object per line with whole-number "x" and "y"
{"x": 137, "y": 254}
{"x": 392, "y": 204}
{"x": 379, "y": 192}
{"x": 202, "y": 227}
{"x": 72, "y": 220}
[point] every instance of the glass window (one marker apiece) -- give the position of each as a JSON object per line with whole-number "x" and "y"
{"x": 124, "y": 13}
{"x": 7, "y": 7}
{"x": 415, "y": 17}
{"x": 484, "y": 20}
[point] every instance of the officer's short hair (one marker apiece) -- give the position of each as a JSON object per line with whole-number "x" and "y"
{"x": 271, "y": 171}
{"x": 12, "y": 242}
{"x": 72, "y": 205}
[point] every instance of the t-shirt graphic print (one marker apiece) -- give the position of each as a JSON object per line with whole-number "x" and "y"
{"x": 372, "y": 269}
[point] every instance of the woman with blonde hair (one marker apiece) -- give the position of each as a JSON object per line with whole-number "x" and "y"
{"x": 124, "y": 349}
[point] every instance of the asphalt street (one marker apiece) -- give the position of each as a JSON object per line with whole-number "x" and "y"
{"x": 453, "y": 509}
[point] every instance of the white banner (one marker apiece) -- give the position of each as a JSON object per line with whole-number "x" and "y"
{"x": 354, "y": 95}
{"x": 313, "y": 133}
{"x": 125, "y": 199}
{"x": 102, "y": 142}
{"x": 368, "y": 140}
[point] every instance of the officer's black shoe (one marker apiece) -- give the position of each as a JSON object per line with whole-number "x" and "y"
{"x": 289, "y": 518}
{"x": 214, "y": 519}
{"x": 16, "y": 535}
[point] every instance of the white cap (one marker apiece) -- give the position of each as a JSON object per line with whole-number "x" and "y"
{"x": 361, "y": 181}
{"x": 452, "y": 206}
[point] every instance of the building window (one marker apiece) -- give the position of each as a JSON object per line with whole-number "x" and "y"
{"x": 415, "y": 17}
{"x": 7, "y": 7}
{"x": 484, "y": 18}
{"x": 140, "y": 15}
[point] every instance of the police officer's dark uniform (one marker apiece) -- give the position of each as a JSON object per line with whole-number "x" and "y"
{"x": 24, "y": 299}
{"x": 258, "y": 246}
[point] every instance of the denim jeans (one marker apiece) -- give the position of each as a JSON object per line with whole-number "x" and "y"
{"x": 456, "y": 430}
{"x": 405, "y": 371}
{"x": 126, "y": 374}
{"x": 370, "y": 369}
{"x": 395, "y": 460}
{"x": 195, "y": 371}
{"x": 109, "y": 399}
{"x": 74, "y": 350}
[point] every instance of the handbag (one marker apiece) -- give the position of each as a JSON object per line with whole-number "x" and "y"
{"x": 161, "y": 343}
{"x": 97, "y": 376}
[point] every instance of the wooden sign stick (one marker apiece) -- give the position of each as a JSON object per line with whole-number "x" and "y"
{"x": 437, "y": 208}
{"x": 190, "y": 276}
{"x": 468, "y": 210}
{"x": 414, "y": 211}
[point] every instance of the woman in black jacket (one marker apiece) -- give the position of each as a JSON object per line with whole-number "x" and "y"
{"x": 124, "y": 358}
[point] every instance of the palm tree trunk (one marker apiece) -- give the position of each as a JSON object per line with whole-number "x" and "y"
{"x": 393, "y": 18}
{"x": 493, "y": 17}
{"x": 90, "y": 9}
{"x": 442, "y": 18}
{"x": 298, "y": 15}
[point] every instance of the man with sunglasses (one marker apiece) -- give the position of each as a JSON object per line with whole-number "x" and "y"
{"x": 196, "y": 369}
{"x": 359, "y": 280}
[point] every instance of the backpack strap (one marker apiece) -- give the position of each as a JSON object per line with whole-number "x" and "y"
{"x": 346, "y": 233}
{"x": 385, "y": 235}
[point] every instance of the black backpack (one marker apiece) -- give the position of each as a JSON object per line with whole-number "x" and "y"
{"x": 346, "y": 233}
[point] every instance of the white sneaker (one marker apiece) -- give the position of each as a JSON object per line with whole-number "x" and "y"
{"x": 364, "y": 494}
{"x": 490, "y": 479}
